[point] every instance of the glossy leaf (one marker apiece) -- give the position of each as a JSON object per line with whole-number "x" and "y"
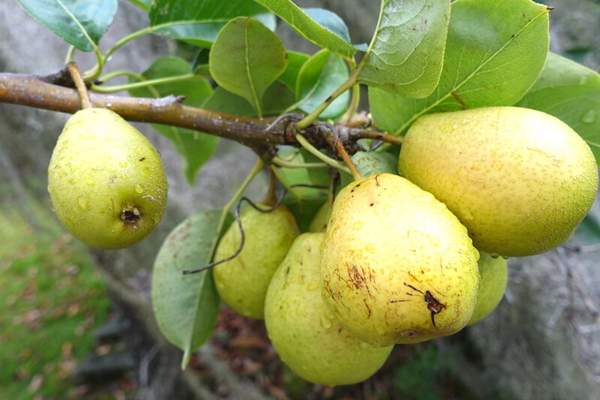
{"x": 495, "y": 52}
{"x": 295, "y": 62}
{"x": 407, "y": 50}
{"x": 206, "y": 10}
{"x": 80, "y": 23}
{"x": 310, "y": 29}
{"x": 329, "y": 20}
{"x": 371, "y": 163}
{"x": 199, "y": 22}
{"x": 186, "y": 306}
{"x": 195, "y": 147}
{"x": 319, "y": 77}
{"x": 571, "y": 92}
{"x": 246, "y": 59}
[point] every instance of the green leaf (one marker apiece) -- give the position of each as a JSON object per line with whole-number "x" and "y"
{"x": 198, "y": 22}
{"x": 277, "y": 98}
{"x": 246, "y": 59}
{"x": 227, "y": 102}
{"x": 308, "y": 28}
{"x": 495, "y": 52}
{"x": 407, "y": 50}
{"x": 201, "y": 10}
{"x": 319, "y": 77}
{"x": 571, "y": 92}
{"x": 203, "y": 33}
{"x": 370, "y": 163}
{"x": 186, "y": 306}
{"x": 295, "y": 62}
{"x": 329, "y": 20}
{"x": 80, "y": 23}
{"x": 195, "y": 147}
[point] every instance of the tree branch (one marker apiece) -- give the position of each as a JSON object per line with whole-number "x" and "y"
{"x": 53, "y": 92}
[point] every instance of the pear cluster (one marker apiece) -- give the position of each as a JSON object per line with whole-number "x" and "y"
{"x": 405, "y": 258}
{"x": 395, "y": 259}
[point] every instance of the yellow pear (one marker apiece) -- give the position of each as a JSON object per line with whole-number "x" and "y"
{"x": 520, "y": 180}
{"x": 242, "y": 282}
{"x": 493, "y": 272}
{"x": 397, "y": 266}
{"x": 304, "y": 332}
{"x": 106, "y": 180}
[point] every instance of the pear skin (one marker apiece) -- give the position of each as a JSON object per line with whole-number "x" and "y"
{"x": 520, "y": 180}
{"x": 493, "y": 272}
{"x": 106, "y": 180}
{"x": 397, "y": 266}
{"x": 242, "y": 282}
{"x": 303, "y": 330}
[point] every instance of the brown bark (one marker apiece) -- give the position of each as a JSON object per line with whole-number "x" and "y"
{"x": 260, "y": 134}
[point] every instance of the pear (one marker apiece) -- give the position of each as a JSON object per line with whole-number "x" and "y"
{"x": 397, "y": 266}
{"x": 520, "y": 180}
{"x": 242, "y": 282}
{"x": 493, "y": 272}
{"x": 321, "y": 218}
{"x": 106, "y": 180}
{"x": 304, "y": 332}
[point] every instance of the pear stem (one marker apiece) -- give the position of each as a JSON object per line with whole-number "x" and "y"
{"x": 69, "y": 56}
{"x": 355, "y": 99}
{"x": 79, "y": 85}
{"x": 314, "y": 115}
{"x": 280, "y": 162}
{"x": 315, "y": 152}
{"x": 382, "y": 136}
{"x": 339, "y": 146}
{"x": 142, "y": 84}
{"x": 271, "y": 195}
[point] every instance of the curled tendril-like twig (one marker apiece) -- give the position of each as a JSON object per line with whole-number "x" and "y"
{"x": 237, "y": 216}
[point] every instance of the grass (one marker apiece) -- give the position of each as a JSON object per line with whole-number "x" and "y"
{"x": 51, "y": 300}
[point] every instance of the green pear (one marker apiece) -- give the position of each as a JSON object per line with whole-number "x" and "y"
{"x": 520, "y": 180}
{"x": 397, "y": 266}
{"x": 493, "y": 272}
{"x": 321, "y": 218}
{"x": 106, "y": 180}
{"x": 243, "y": 281}
{"x": 304, "y": 332}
